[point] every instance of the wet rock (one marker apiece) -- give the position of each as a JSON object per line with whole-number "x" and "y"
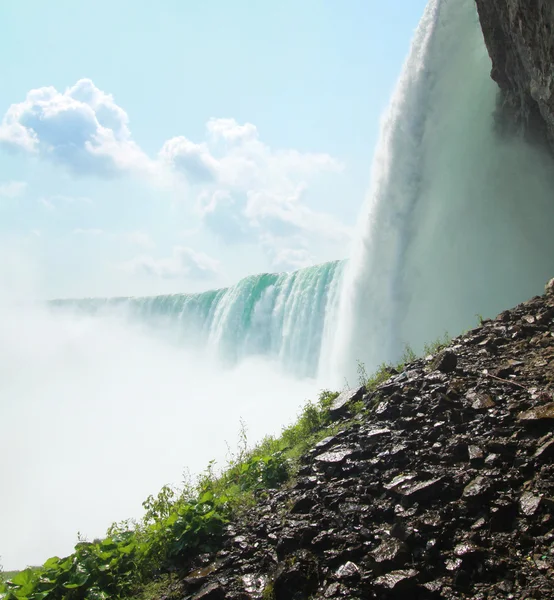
{"x": 544, "y": 412}
{"x": 212, "y": 591}
{"x": 475, "y": 454}
{"x": 397, "y": 580}
{"x": 349, "y": 570}
{"x": 546, "y": 450}
{"x": 254, "y": 584}
{"x": 391, "y": 550}
{"x": 409, "y": 486}
{"x": 446, "y": 362}
{"x": 529, "y": 504}
{"x": 303, "y": 505}
{"x": 480, "y": 401}
{"x": 296, "y": 577}
{"x": 340, "y": 404}
{"x": 335, "y": 456}
{"x": 467, "y": 549}
{"x": 478, "y": 487}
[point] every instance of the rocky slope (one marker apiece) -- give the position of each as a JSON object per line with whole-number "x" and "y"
{"x": 443, "y": 488}
{"x": 520, "y": 41}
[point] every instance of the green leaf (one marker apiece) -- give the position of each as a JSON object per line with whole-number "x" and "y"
{"x": 77, "y": 580}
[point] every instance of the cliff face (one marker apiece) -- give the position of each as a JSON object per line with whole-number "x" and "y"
{"x": 519, "y": 35}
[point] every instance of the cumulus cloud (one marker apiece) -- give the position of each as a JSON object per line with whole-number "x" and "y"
{"x": 81, "y": 128}
{"x": 12, "y": 189}
{"x": 190, "y": 159}
{"x": 230, "y": 131}
{"x": 183, "y": 263}
{"x": 222, "y": 214}
{"x": 246, "y": 190}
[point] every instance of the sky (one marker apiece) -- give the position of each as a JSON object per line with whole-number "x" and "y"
{"x": 180, "y": 146}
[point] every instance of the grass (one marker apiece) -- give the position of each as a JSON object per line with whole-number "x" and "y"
{"x": 180, "y": 524}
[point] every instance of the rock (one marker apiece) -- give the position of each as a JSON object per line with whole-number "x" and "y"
{"x": 397, "y": 579}
{"x": 446, "y": 362}
{"x": 211, "y": 591}
{"x": 478, "y": 487}
{"x": 544, "y": 412}
{"x": 349, "y": 570}
{"x": 518, "y": 37}
{"x": 341, "y": 402}
{"x": 391, "y": 550}
{"x": 549, "y": 287}
{"x": 303, "y": 505}
{"x": 529, "y": 504}
{"x": 336, "y": 456}
{"x": 480, "y": 401}
{"x": 475, "y": 453}
{"x": 467, "y": 549}
{"x": 546, "y": 450}
{"x": 296, "y": 577}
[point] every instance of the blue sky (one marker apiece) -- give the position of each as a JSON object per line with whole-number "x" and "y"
{"x": 178, "y": 146}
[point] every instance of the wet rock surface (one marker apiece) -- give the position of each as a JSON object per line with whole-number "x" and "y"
{"x": 518, "y": 35}
{"x": 443, "y": 489}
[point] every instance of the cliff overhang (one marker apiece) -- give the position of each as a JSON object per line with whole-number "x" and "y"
{"x": 519, "y": 35}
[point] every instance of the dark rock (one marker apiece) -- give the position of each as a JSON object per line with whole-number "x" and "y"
{"x": 340, "y": 403}
{"x": 480, "y": 401}
{"x": 446, "y": 362}
{"x": 349, "y": 570}
{"x": 478, "y": 487}
{"x": 212, "y": 591}
{"x": 475, "y": 453}
{"x": 297, "y": 577}
{"x": 529, "y": 504}
{"x": 391, "y": 550}
{"x": 518, "y": 35}
{"x": 303, "y": 505}
{"x": 546, "y": 411}
{"x": 395, "y": 580}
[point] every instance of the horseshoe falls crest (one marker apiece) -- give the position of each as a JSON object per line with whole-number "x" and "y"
{"x": 280, "y": 316}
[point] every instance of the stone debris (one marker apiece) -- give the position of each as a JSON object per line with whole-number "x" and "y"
{"x": 443, "y": 489}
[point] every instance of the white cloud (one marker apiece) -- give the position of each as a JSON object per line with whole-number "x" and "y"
{"x": 230, "y": 131}
{"x": 287, "y": 253}
{"x": 81, "y": 128}
{"x": 183, "y": 263}
{"x": 190, "y": 159}
{"x": 12, "y": 189}
{"x": 245, "y": 189}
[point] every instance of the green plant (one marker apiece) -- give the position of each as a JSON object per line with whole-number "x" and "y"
{"x": 438, "y": 345}
{"x": 408, "y": 355}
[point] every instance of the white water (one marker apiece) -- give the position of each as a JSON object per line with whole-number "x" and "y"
{"x": 98, "y": 413}
{"x": 458, "y": 221}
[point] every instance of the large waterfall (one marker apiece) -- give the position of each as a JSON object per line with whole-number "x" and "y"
{"x": 279, "y": 316}
{"x": 459, "y": 217}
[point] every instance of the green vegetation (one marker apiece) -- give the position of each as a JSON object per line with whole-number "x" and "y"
{"x": 180, "y": 524}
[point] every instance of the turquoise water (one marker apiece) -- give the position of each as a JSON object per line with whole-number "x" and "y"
{"x": 280, "y": 316}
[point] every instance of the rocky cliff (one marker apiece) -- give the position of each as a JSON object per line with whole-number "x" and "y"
{"x": 443, "y": 488}
{"x": 519, "y": 35}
